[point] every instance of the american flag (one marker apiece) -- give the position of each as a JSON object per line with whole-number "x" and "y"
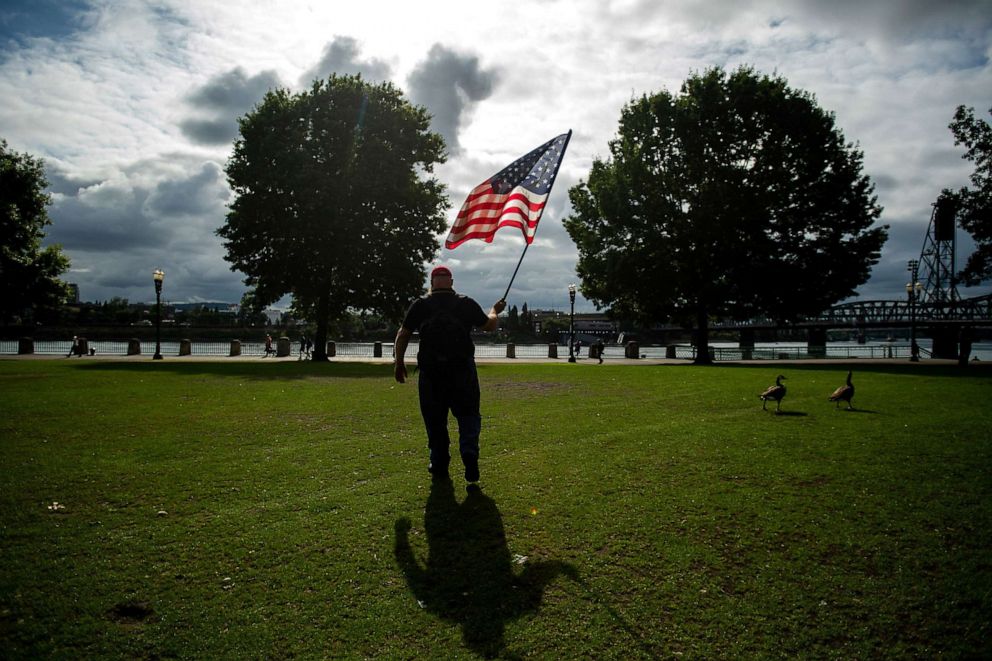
{"x": 513, "y": 197}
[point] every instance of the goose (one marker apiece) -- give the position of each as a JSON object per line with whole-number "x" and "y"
{"x": 776, "y": 392}
{"x": 844, "y": 393}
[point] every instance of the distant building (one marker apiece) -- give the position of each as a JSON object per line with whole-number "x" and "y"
{"x": 216, "y": 306}
{"x": 588, "y": 325}
{"x": 73, "y": 293}
{"x": 538, "y": 318}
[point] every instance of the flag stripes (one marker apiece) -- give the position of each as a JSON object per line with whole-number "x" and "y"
{"x": 513, "y": 197}
{"x": 485, "y": 211}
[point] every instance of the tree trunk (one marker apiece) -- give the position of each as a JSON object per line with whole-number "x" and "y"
{"x": 702, "y": 337}
{"x": 320, "y": 341}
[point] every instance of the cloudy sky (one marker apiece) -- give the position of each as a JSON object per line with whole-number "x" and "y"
{"x": 133, "y": 107}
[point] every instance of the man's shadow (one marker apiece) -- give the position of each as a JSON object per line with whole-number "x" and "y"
{"x": 468, "y": 577}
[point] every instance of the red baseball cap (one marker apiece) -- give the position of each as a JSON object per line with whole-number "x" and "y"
{"x": 440, "y": 270}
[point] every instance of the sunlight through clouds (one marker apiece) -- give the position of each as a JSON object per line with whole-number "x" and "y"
{"x": 133, "y": 105}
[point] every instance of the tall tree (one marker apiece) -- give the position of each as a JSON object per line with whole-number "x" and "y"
{"x": 29, "y": 274}
{"x": 975, "y": 204}
{"x": 335, "y": 200}
{"x": 513, "y": 319}
{"x": 734, "y": 198}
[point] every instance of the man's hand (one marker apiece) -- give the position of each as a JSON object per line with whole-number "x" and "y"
{"x": 493, "y": 322}
{"x": 399, "y": 350}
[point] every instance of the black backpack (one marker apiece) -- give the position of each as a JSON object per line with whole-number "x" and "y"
{"x": 444, "y": 338}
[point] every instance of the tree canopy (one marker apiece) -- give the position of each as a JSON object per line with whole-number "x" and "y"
{"x": 335, "y": 200}
{"x": 29, "y": 273}
{"x": 975, "y": 204}
{"x": 737, "y": 197}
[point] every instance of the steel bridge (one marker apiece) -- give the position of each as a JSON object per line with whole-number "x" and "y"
{"x": 932, "y": 297}
{"x": 931, "y": 294}
{"x": 875, "y": 314}
{"x": 976, "y": 312}
{"x": 932, "y": 302}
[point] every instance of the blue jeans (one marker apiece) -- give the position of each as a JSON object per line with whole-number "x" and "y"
{"x": 455, "y": 390}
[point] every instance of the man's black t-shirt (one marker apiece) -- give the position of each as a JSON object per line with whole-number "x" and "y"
{"x": 464, "y": 309}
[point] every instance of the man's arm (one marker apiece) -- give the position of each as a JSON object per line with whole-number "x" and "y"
{"x": 399, "y": 348}
{"x": 493, "y": 322}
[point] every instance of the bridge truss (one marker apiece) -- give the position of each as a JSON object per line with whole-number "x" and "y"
{"x": 976, "y": 311}
{"x": 937, "y": 257}
{"x": 932, "y": 299}
{"x": 933, "y": 285}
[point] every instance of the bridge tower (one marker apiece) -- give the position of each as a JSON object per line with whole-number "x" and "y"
{"x": 939, "y": 297}
{"x": 937, "y": 259}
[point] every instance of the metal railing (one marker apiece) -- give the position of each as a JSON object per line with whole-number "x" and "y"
{"x": 210, "y": 348}
{"x": 521, "y": 351}
{"x": 362, "y": 349}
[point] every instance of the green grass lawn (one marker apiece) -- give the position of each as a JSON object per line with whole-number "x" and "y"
{"x": 272, "y": 510}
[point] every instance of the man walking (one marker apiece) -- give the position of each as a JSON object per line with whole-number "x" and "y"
{"x": 446, "y": 359}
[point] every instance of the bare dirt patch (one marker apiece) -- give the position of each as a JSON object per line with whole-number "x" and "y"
{"x": 511, "y": 388}
{"x": 131, "y": 612}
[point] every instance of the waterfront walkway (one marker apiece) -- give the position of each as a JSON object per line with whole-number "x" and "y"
{"x": 580, "y": 362}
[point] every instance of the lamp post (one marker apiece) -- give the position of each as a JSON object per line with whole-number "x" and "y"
{"x": 913, "y": 289}
{"x": 159, "y": 276}
{"x": 571, "y": 325}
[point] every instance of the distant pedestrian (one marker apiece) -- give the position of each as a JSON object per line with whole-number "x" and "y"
{"x": 309, "y": 347}
{"x": 268, "y": 346}
{"x": 578, "y": 348}
{"x": 599, "y": 350}
{"x": 75, "y": 348}
{"x": 303, "y": 345}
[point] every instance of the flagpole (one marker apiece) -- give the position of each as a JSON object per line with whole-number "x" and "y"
{"x": 507, "y": 293}
{"x": 527, "y": 243}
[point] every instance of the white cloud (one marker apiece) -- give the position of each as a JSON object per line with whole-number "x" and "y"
{"x": 133, "y": 105}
